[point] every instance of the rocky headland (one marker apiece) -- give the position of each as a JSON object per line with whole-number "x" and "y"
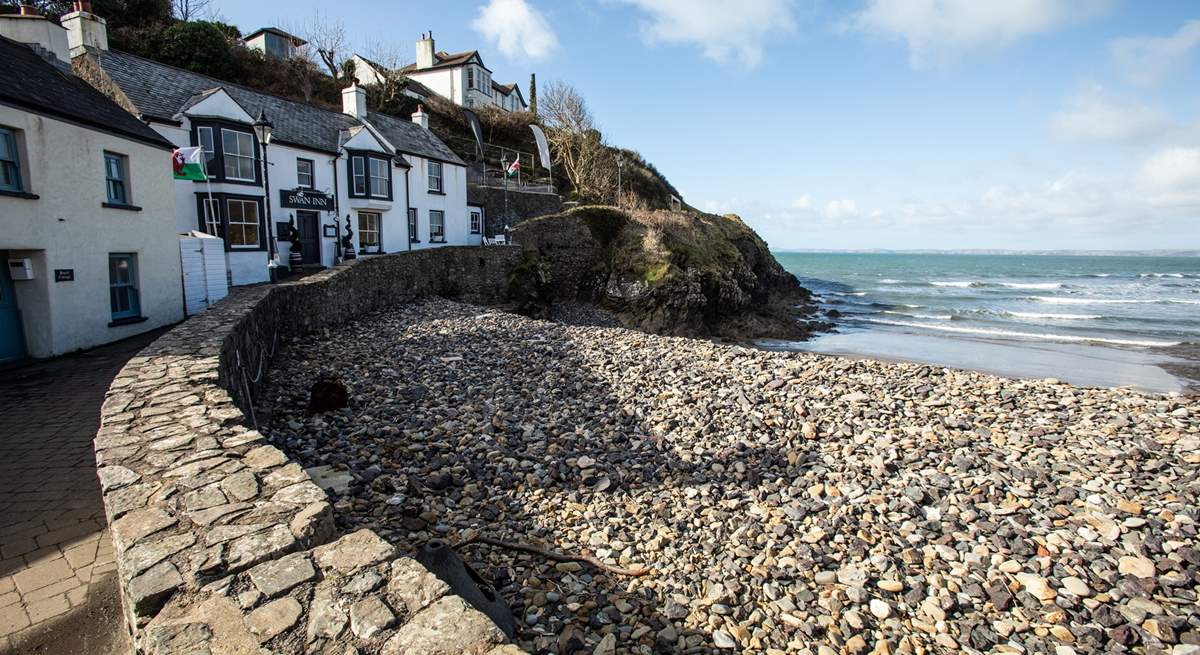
{"x": 783, "y": 502}
{"x": 674, "y": 273}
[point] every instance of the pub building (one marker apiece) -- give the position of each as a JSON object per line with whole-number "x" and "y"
{"x": 390, "y": 180}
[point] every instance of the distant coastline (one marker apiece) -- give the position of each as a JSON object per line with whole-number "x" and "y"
{"x": 986, "y": 251}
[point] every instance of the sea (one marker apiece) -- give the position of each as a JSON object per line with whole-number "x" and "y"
{"x": 1109, "y": 321}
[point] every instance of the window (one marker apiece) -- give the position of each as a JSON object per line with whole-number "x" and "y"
{"x": 238, "y": 151}
{"x": 10, "y": 162}
{"x": 380, "y": 178}
{"x": 476, "y": 221}
{"x": 360, "y": 175}
{"x": 304, "y": 173}
{"x": 243, "y": 223}
{"x": 435, "y": 176}
{"x": 115, "y": 167}
{"x": 437, "y": 226}
{"x": 122, "y": 286}
{"x": 204, "y": 136}
{"x": 470, "y": 78}
{"x": 210, "y": 220}
{"x": 412, "y": 225}
{"x": 368, "y": 232}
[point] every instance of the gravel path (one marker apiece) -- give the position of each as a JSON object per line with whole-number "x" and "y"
{"x": 787, "y": 502}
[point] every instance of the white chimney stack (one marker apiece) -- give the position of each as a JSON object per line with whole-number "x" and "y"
{"x": 354, "y": 101}
{"x": 425, "y": 51}
{"x": 84, "y": 29}
{"x": 420, "y": 117}
{"x": 31, "y": 28}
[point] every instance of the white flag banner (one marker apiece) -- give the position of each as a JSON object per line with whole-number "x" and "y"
{"x": 543, "y": 146}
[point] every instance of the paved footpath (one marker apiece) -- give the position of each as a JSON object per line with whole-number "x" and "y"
{"x": 57, "y": 575}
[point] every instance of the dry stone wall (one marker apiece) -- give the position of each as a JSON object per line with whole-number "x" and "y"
{"x": 225, "y": 545}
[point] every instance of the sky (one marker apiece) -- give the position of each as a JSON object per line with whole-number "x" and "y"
{"x": 1022, "y": 124}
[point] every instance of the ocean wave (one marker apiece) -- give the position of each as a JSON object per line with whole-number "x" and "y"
{"x": 1066, "y": 338}
{"x": 1055, "y": 300}
{"x": 1175, "y": 275}
{"x": 1057, "y": 317}
{"x": 1032, "y": 285}
{"x": 888, "y": 280}
{"x": 960, "y": 285}
{"x": 983, "y": 284}
{"x": 848, "y": 293}
{"x": 937, "y": 317}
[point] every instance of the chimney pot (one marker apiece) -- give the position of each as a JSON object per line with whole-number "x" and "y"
{"x": 28, "y": 9}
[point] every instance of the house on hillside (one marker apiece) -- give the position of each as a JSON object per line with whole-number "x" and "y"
{"x": 274, "y": 42}
{"x": 460, "y": 77}
{"x": 89, "y": 251}
{"x": 390, "y": 181}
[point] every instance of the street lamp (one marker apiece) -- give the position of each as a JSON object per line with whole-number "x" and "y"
{"x": 262, "y": 129}
{"x": 620, "y": 168}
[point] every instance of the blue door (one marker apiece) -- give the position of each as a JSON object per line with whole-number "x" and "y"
{"x": 12, "y": 339}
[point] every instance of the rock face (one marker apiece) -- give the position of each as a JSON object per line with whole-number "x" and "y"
{"x": 673, "y": 273}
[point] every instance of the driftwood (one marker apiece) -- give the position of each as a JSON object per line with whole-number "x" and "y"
{"x": 554, "y": 555}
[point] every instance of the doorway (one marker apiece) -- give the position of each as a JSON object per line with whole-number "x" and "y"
{"x": 12, "y": 337}
{"x": 308, "y": 225}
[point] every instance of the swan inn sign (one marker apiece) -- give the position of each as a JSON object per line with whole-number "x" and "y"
{"x": 305, "y": 199}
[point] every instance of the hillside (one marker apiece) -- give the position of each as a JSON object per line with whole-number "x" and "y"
{"x": 679, "y": 273}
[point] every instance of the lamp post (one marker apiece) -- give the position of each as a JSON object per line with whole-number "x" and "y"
{"x": 262, "y": 129}
{"x": 620, "y": 169}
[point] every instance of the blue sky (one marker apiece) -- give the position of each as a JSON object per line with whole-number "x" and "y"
{"x": 876, "y": 123}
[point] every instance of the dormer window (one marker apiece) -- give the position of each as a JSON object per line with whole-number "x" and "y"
{"x": 230, "y": 152}
{"x": 370, "y": 176}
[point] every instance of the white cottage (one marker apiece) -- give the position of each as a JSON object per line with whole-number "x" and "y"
{"x": 460, "y": 77}
{"x": 88, "y": 247}
{"x": 391, "y": 181}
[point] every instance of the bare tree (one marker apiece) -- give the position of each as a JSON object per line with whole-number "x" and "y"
{"x": 387, "y": 62}
{"x": 327, "y": 42}
{"x": 578, "y": 145}
{"x": 186, "y": 10}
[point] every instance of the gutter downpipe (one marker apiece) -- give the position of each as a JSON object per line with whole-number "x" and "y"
{"x": 337, "y": 226}
{"x": 407, "y": 204}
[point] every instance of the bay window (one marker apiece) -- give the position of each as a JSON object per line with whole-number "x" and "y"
{"x": 238, "y": 151}
{"x": 243, "y": 224}
{"x": 230, "y": 152}
{"x": 370, "y": 176}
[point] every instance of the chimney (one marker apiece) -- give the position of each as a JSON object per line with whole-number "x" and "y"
{"x": 420, "y": 117}
{"x": 85, "y": 30}
{"x": 354, "y": 101}
{"x": 425, "y": 51}
{"x": 35, "y": 30}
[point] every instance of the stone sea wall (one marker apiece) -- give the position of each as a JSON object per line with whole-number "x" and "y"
{"x": 520, "y": 205}
{"x": 222, "y": 543}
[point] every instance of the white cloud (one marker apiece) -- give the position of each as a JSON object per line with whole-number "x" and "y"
{"x": 803, "y": 202}
{"x": 727, "y": 31}
{"x": 518, "y": 30}
{"x": 1095, "y": 115}
{"x": 1171, "y": 178}
{"x": 1148, "y": 60}
{"x": 837, "y": 210}
{"x": 936, "y": 29}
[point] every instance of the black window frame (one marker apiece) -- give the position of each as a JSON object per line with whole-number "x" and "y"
{"x": 413, "y": 225}
{"x": 472, "y": 213}
{"x": 312, "y": 173}
{"x": 222, "y": 202}
{"x": 440, "y": 177}
{"x": 442, "y": 238}
{"x": 368, "y": 190}
{"x": 14, "y": 136}
{"x": 216, "y": 168}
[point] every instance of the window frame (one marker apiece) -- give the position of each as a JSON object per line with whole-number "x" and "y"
{"x": 229, "y": 223}
{"x": 377, "y": 246}
{"x": 312, "y": 173}
{"x": 238, "y": 156}
{"x": 14, "y": 163}
{"x": 215, "y": 167}
{"x": 440, "y": 187}
{"x": 369, "y": 192}
{"x": 441, "y": 238}
{"x": 476, "y": 217}
{"x": 130, "y": 287}
{"x": 221, "y": 200}
{"x": 119, "y": 183}
{"x": 413, "y": 226}
{"x": 372, "y": 178}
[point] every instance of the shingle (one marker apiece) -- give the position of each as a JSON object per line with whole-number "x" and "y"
{"x": 30, "y": 81}
{"x": 410, "y": 138}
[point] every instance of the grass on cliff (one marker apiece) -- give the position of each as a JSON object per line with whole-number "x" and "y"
{"x": 658, "y": 245}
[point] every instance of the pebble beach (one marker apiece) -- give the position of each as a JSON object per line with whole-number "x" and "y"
{"x": 783, "y": 502}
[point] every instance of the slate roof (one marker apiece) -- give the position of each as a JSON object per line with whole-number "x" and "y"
{"x": 29, "y": 81}
{"x": 160, "y": 92}
{"x": 296, "y": 41}
{"x": 445, "y": 60}
{"x": 410, "y": 138}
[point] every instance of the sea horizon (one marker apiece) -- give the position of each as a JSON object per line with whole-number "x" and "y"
{"x": 995, "y": 251}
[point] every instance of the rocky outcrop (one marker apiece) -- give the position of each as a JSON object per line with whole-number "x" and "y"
{"x": 676, "y": 273}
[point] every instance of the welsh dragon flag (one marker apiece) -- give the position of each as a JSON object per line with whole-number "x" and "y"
{"x": 513, "y": 168}
{"x": 188, "y": 164}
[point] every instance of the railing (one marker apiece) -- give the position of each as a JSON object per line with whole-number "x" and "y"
{"x": 529, "y": 178}
{"x": 480, "y": 174}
